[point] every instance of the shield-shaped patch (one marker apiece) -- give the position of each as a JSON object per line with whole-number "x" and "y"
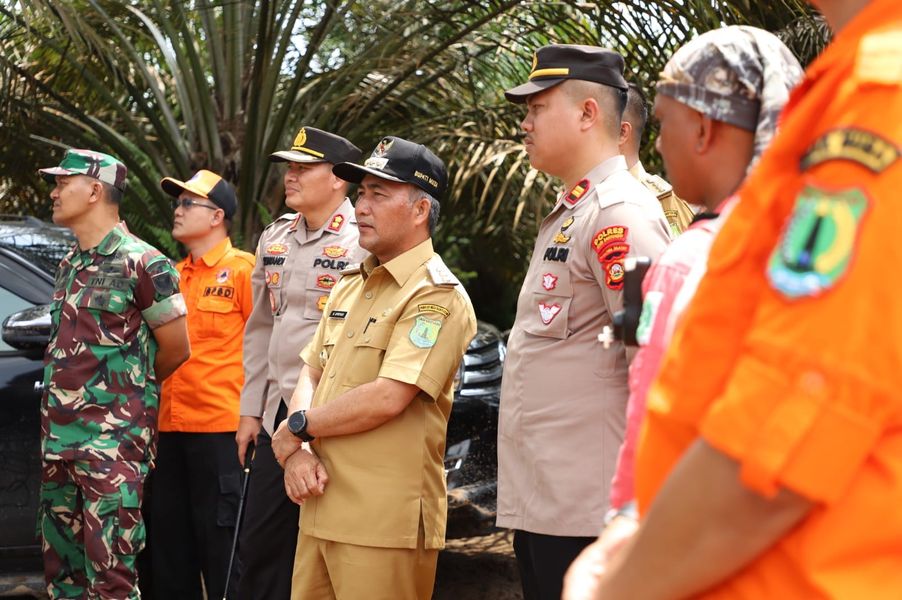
{"x": 818, "y": 242}
{"x": 424, "y": 332}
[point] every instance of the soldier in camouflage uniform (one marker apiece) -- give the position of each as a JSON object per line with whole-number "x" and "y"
{"x": 118, "y": 329}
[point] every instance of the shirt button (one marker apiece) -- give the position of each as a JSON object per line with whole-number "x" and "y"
{"x": 368, "y": 295}
{"x": 350, "y": 334}
{"x": 331, "y": 374}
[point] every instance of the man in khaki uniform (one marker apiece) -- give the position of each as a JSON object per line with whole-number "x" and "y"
{"x": 375, "y": 393}
{"x": 563, "y": 398}
{"x": 299, "y": 258}
{"x": 635, "y": 116}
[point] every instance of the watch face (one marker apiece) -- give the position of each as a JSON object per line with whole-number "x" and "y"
{"x": 296, "y": 422}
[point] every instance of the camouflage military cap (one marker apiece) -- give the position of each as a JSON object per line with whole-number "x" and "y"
{"x": 102, "y": 167}
{"x": 739, "y": 75}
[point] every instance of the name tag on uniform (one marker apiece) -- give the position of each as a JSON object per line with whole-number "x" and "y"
{"x": 338, "y": 314}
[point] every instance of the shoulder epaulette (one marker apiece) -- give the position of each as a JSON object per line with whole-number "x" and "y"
{"x": 351, "y": 269}
{"x": 657, "y": 185}
{"x": 281, "y": 218}
{"x": 439, "y": 273}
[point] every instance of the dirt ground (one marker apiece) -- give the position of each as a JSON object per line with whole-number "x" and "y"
{"x": 479, "y": 568}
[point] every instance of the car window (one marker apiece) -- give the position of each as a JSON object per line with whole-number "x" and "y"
{"x": 9, "y": 304}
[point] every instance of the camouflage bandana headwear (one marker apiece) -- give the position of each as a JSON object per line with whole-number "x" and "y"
{"x": 739, "y": 75}
{"x": 98, "y": 165}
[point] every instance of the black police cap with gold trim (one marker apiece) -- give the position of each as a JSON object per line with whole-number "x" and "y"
{"x": 315, "y": 145}
{"x": 559, "y": 62}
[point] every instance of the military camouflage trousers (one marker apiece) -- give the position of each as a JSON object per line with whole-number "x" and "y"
{"x": 91, "y": 527}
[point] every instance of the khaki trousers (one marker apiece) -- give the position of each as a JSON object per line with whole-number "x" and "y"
{"x": 327, "y": 570}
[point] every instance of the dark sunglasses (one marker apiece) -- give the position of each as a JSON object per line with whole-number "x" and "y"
{"x": 189, "y": 202}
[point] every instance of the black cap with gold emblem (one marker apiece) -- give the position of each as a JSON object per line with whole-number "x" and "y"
{"x": 315, "y": 145}
{"x": 559, "y": 62}
{"x": 400, "y": 160}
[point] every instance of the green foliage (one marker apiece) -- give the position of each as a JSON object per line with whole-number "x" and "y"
{"x": 172, "y": 86}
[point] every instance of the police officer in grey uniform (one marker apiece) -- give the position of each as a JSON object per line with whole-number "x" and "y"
{"x": 563, "y": 398}
{"x": 299, "y": 257}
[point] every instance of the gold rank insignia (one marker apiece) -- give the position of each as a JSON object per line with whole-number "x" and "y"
{"x": 337, "y": 222}
{"x": 579, "y": 190}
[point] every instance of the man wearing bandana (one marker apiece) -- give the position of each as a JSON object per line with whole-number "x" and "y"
{"x": 776, "y": 472}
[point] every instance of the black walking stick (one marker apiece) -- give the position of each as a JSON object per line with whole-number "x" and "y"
{"x": 247, "y": 477}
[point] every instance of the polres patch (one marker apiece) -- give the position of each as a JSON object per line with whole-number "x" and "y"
{"x": 549, "y": 281}
{"x": 424, "y": 332}
{"x": 818, "y": 242}
{"x": 610, "y": 246}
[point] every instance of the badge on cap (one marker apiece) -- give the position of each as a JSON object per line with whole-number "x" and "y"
{"x": 301, "y": 137}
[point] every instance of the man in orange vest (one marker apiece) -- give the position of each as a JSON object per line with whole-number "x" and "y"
{"x": 196, "y": 485}
{"x": 775, "y": 471}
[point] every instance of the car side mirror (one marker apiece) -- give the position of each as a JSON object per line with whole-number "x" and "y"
{"x": 29, "y": 329}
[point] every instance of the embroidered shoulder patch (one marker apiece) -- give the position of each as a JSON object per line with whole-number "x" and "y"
{"x": 857, "y": 145}
{"x": 818, "y": 242}
{"x": 436, "y": 308}
{"x": 610, "y": 246}
{"x": 424, "y": 332}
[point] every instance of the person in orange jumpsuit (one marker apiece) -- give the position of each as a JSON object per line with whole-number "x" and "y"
{"x": 196, "y": 485}
{"x": 776, "y": 471}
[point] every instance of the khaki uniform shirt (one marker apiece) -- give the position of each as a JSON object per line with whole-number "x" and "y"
{"x": 292, "y": 279}
{"x": 677, "y": 211}
{"x": 563, "y": 396}
{"x": 409, "y": 320}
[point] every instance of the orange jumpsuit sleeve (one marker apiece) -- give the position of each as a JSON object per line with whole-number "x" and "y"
{"x": 813, "y": 393}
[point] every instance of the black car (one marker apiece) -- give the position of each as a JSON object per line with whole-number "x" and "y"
{"x": 29, "y": 253}
{"x": 30, "y": 250}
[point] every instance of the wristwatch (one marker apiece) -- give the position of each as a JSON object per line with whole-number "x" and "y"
{"x": 297, "y": 424}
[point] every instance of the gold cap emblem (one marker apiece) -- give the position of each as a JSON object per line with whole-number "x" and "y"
{"x": 301, "y": 137}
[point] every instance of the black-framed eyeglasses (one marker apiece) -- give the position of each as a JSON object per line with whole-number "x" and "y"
{"x": 189, "y": 202}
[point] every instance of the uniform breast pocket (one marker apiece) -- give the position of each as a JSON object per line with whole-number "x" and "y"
{"x": 212, "y": 316}
{"x": 317, "y": 289}
{"x": 549, "y": 310}
{"x": 369, "y": 349}
{"x": 103, "y": 316}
